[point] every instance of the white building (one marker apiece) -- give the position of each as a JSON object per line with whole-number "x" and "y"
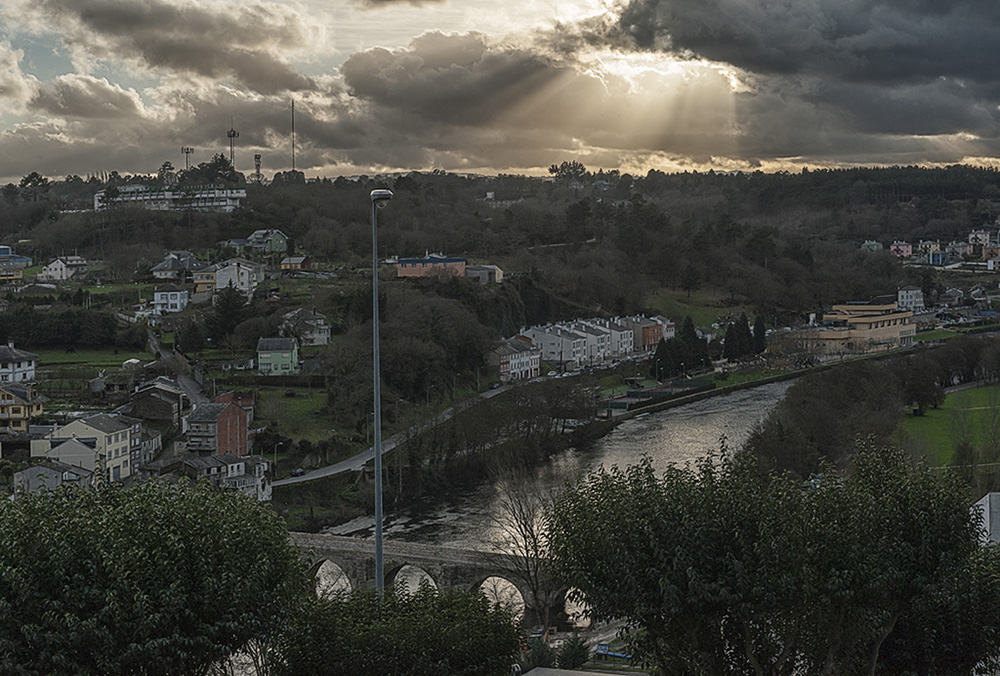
{"x": 16, "y": 365}
{"x": 169, "y": 299}
{"x": 308, "y": 326}
{"x": 910, "y": 298}
{"x": 598, "y": 341}
{"x": 174, "y": 198}
{"x": 516, "y": 359}
{"x": 558, "y": 345}
{"x": 63, "y": 268}
{"x": 242, "y": 275}
{"x": 622, "y": 339}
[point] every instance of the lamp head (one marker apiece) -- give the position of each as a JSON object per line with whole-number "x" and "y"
{"x": 381, "y": 197}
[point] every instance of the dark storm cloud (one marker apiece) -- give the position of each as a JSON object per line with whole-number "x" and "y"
{"x": 883, "y": 41}
{"x": 241, "y": 42}
{"x": 82, "y": 96}
{"x": 457, "y": 78}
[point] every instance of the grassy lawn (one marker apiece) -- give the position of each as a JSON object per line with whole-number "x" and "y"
{"x": 965, "y": 413}
{"x": 941, "y": 334}
{"x": 84, "y": 357}
{"x": 299, "y": 417}
{"x": 704, "y": 309}
{"x": 739, "y": 377}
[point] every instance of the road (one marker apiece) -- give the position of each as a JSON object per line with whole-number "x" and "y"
{"x": 356, "y": 462}
{"x": 190, "y": 387}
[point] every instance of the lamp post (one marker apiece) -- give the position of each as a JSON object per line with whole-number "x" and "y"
{"x": 274, "y": 470}
{"x": 379, "y": 199}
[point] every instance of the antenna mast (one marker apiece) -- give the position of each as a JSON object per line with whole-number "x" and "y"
{"x": 293, "y": 134}
{"x": 187, "y": 156}
{"x": 257, "y": 176}
{"x": 233, "y": 135}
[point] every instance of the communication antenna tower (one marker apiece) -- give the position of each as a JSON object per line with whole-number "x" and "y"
{"x": 187, "y": 156}
{"x": 233, "y": 135}
{"x": 257, "y": 176}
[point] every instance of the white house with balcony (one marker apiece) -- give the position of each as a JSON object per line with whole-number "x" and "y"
{"x": 16, "y": 365}
{"x": 169, "y": 298}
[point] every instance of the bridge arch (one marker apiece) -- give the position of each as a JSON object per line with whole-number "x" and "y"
{"x": 330, "y": 578}
{"x": 409, "y": 576}
{"x": 448, "y": 567}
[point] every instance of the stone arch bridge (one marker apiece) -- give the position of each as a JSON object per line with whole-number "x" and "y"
{"x": 448, "y": 567}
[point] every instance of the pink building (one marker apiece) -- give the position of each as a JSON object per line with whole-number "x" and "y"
{"x": 902, "y": 249}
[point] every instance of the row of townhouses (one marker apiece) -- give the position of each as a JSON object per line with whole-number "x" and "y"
{"x": 581, "y": 342}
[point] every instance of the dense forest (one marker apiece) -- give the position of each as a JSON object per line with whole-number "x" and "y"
{"x": 781, "y": 244}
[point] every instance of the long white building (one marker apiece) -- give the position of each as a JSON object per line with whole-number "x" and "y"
{"x": 174, "y": 198}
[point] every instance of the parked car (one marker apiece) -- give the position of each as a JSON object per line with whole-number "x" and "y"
{"x": 298, "y": 471}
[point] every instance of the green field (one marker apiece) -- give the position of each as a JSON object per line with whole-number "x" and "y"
{"x": 704, "y": 308}
{"x": 965, "y": 414}
{"x": 299, "y": 417}
{"x": 941, "y": 334}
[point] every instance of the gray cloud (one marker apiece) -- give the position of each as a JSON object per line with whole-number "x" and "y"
{"x": 869, "y": 40}
{"x": 460, "y": 79}
{"x": 222, "y": 41}
{"x": 83, "y": 96}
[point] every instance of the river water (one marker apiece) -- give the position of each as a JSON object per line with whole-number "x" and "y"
{"x": 679, "y": 435}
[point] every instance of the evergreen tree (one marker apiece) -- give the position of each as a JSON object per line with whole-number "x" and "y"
{"x": 759, "y": 335}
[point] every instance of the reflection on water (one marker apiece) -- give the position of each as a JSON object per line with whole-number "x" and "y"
{"x": 678, "y": 435}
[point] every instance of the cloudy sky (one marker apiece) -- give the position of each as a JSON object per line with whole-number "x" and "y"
{"x": 492, "y": 86}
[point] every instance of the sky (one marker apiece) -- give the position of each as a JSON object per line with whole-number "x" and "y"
{"x": 498, "y": 86}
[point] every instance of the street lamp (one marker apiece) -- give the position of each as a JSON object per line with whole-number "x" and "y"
{"x": 379, "y": 199}
{"x": 274, "y": 470}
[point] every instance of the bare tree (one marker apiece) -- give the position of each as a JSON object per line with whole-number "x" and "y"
{"x": 518, "y": 536}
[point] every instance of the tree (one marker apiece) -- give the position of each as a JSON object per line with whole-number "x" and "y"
{"x": 228, "y": 310}
{"x": 574, "y": 653}
{"x": 427, "y": 633}
{"x": 157, "y": 579}
{"x": 759, "y": 335}
{"x": 717, "y": 571}
{"x": 569, "y": 171}
{"x": 33, "y": 186}
{"x": 519, "y": 535}
{"x": 690, "y": 278}
{"x": 190, "y": 338}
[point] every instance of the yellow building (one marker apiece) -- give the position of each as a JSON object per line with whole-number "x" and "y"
{"x": 204, "y": 280}
{"x": 19, "y": 403}
{"x": 860, "y": 328}
{"x": 11, "y": 276}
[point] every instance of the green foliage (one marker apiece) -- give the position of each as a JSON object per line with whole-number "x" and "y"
{"x": 158, "y": 579}
{"x": 729, "y": 574}
{"x": 190, "y": 338}
{"x": 574, "y": 652}
{"x": 428, "y": 633}
{"x": 539, "y": 655}
{"x": 229, "y": 308}
{"x": 72, "y": 327}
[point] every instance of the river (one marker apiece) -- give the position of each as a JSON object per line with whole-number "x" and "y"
{"x": 679, "y": 435}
